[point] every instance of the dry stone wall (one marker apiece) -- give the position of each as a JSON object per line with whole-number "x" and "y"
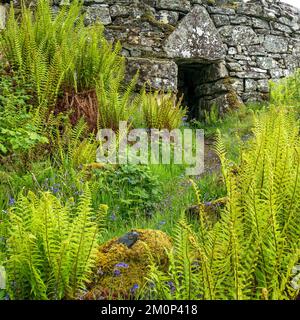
{"x": 219, "y": 52}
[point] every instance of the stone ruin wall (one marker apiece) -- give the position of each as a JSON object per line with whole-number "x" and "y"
{"x": 214, "y": 51}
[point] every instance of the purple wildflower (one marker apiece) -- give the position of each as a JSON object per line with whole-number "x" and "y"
{"x": 117, "y": 272}
{"x": 172, "y": 286}
{"x": 134, "y": 288}
{"x": 113, "y": 217}
{"x": 54, "y": 189}
{"x": 12, "y": 201}
{"x": 121, "y": 265}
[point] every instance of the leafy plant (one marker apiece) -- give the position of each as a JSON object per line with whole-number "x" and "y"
{"x": 251, "y": 251}
{"x": 57, "y": 52}
{"x": 73, "y": 146}
{"x": 128, "y": 190}
{"x": 162, "y": 111}
{"x": 115, "y": 103}
{"x": 21, "y": 127}
{"x": 286, "y": 91}
{"x": 51, "y": 247}
{"x": 212, "y": 117}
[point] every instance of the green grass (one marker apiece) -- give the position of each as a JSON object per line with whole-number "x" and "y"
{"x": 234, "y": 127}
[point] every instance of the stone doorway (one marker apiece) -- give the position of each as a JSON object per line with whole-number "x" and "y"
{"x": 202, "y": 84}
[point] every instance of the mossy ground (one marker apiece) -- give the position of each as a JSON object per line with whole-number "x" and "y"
{"x": 121, "y": 268}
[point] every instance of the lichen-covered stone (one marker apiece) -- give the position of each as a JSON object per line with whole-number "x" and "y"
{"x": 260, "y": 23}
{"x": 220, "y": 20}
{"x": 180, "y": 5}
{"x": 119, "y": 11}
{"x": 276, "y": 44}
{"x": 97, "y": 13}
{"x": 122, "y": 263}
{"x": 234, "y": 35}
{"x": 237, "y": 84}
{"x": 221, "y": 10}
{"x": 167, "y": 17}
{"x": 266, "y": 63}
{"x": 251, "y": 74}
{"x": 281, "y": 27}
{"x": 263, "y": 86}
{"x": 195, "y": 38}
{"x": 250, "y": 85}
{"x": 156, "y": 74}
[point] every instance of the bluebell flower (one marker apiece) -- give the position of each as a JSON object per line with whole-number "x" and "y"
{"x": 117, "y": 272}
{"x": 12, "y": 201}
{"x": 54, "y": 190}
{"x": 113, "y": 217}
{"x": 121, "y": 265}
{"x": 161, "y": 223}
{"x": 172, "y": 286}
{"x": 79, "y": 193}
{"x": 134, "y": 288}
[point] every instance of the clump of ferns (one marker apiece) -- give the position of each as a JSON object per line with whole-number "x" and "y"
{"x": 251, "y": 251}
{"x": 51, "y": 248}
{"x": 286, "y": 91}
{"x": 56, "y": 52}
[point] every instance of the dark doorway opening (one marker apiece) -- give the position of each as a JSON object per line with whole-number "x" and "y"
{"x": 197, "y": 82}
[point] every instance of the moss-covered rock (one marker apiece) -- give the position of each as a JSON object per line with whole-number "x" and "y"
{"x": 122, "y": 263}
{"x": 211, "y": 209}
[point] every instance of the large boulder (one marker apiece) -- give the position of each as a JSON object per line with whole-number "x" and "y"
{"x": 122, "y": 263}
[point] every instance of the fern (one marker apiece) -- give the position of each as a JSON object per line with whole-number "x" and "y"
{"x": 161, "y": 110}
{"x": 57, "y": 52}
{"x": 251, "y": 251}
{"x": 50, "y": 251}
{"x": 115, "y": 104}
